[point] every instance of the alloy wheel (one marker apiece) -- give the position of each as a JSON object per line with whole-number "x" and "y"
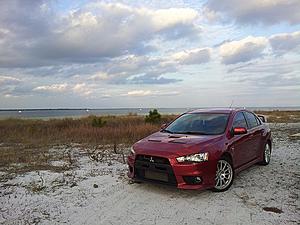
{"x": 267, "y": 153}
{"x": 224, "y": 175}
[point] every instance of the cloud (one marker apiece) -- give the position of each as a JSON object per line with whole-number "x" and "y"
{"x": 267, "y": 73}
{"x": 7, "y": 80}
{"x": 82, "y": 89}
{"x": 99, "y": 76}
{"x": 143, "y": 93}
{"x": 268, "y": 12}
{"x": 243, "y": 50}
{"x": 8, "y": 85}
{"x": 285, "y": 42}
{"x": 194, "y": 56}
{"x": 55, "y": 88}
{"x": 138, "y": 93}
{"x": 147, "y": 79}
{"x": 94, "y": 33}
{"x": 134, "y": 69}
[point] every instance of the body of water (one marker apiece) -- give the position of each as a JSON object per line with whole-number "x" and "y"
{"x": 61, "y": 113}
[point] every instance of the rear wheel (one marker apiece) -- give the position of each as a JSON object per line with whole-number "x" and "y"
{"x": 267, "y": 155}
{"x": 224, "y": 175}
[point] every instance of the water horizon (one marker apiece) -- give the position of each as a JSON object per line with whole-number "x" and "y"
{"x": 48, "y": 113}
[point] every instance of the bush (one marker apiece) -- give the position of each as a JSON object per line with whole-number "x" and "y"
{"x": 98, "y": 122}
{"x": 153, "y": 117}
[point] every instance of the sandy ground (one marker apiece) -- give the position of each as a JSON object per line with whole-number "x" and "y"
{"x": 100, "y": 193}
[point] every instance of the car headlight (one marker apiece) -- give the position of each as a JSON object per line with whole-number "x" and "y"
{"x": 132, "y": 151}
{"x": 200, "y": 157}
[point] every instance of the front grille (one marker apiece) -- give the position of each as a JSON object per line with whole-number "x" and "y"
{"x": 155, "y": 159}
{"x": 153, "y": 168}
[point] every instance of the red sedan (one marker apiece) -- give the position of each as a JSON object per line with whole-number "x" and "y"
{"x": 202, "y": 149}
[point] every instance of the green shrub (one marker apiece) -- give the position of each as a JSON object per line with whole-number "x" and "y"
{"x": 153, "y": 117}
{"x": 98, "y": 122}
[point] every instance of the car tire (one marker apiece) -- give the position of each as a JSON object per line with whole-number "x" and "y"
{"x": 224, "y": 175}
{"x": 267, "y": 154}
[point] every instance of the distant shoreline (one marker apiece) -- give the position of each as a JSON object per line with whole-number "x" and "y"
{"x": 264, "y": 108}
{"x": 59, "y": 113}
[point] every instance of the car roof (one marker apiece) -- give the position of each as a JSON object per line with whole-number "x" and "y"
{"x": 215, "y": 110}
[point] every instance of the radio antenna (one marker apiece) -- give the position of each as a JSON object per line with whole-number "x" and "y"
{"x": 231, "y": 104}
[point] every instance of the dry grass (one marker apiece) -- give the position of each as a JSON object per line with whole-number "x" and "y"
{"x": 117, "y": 129}
{"x": 281, "y": 116}
{"x": 25, "y": 144}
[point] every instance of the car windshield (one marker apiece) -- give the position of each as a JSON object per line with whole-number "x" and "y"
{"x": 199, "y": 123}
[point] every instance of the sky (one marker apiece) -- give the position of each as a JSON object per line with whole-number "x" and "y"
{"x": 152, "y": 53}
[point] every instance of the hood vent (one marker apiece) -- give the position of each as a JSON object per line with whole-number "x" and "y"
{"x": 154, "y": 140}
{"x": 178, "y": 141}
{"x": 173, "y": 136}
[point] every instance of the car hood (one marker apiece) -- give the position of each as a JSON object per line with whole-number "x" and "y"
{"x": 165, "y": 144}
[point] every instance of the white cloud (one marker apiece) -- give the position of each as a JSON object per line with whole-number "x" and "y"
{"x": 167, "y": 18}
{"x": 143, "y": 93}
{"x": 243, "y": 50}
{"x": 7, "y": 80}
{"x": 82, "y": 89}
{"x": 285, "y": 42}
{"x": 194, "y": 56}
{"x": 138, "y": 93}
{"x": 135, "y": 69}
{"x": 52, "y": 88}
{"x": 99, "y": 76}
{"x": 255, "y": 11}
{"x": 95, "y": 32}
{"x": 10, "y": 96}
{"x": 154, "y": 19}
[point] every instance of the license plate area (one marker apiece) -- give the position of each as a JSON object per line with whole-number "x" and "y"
{"x": 156, "y": 176}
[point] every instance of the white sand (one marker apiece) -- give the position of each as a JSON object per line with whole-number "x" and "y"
{"x": 71, "y": 198}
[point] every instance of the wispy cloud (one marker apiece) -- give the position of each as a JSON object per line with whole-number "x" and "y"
{"x": 268, "y": 12}
{"x": 7, "y": 80}
{"x": 142, "y": 93}
{"x": 52, "y": 88}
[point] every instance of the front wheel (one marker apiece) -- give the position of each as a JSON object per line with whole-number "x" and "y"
{"x": 267, "y": 155}
{"x": 224, "y": 175}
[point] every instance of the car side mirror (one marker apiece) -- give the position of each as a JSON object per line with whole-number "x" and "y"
{"x": 163, "y": 126}
{"x": 239, "y": 130}
{"x": 262, "y": 118}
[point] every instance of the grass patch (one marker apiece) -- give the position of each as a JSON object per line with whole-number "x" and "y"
{"x": 25, "y": 144}
{"x": 87, "y": 130}
{"x": 277, "y": 116}
{"x": 97, "y": 130}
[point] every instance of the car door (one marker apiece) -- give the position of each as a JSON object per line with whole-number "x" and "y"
{"x": 255, "y": 132}
{"x": 241, "y": 143}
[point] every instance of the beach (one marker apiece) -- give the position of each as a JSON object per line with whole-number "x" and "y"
{"x": 84, "y": 185}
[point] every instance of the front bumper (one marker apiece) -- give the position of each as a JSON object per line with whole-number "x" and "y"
{"x": 181, "y": 175}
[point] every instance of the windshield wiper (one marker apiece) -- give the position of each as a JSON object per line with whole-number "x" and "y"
{"x": 194, "y": 132}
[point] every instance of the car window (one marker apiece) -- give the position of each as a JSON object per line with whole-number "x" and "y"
{"x": 251, "y": 119}
{"x": 258, "y": 120}
{"x": 239, "y": 120}
{"x": 199, "y": 123}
